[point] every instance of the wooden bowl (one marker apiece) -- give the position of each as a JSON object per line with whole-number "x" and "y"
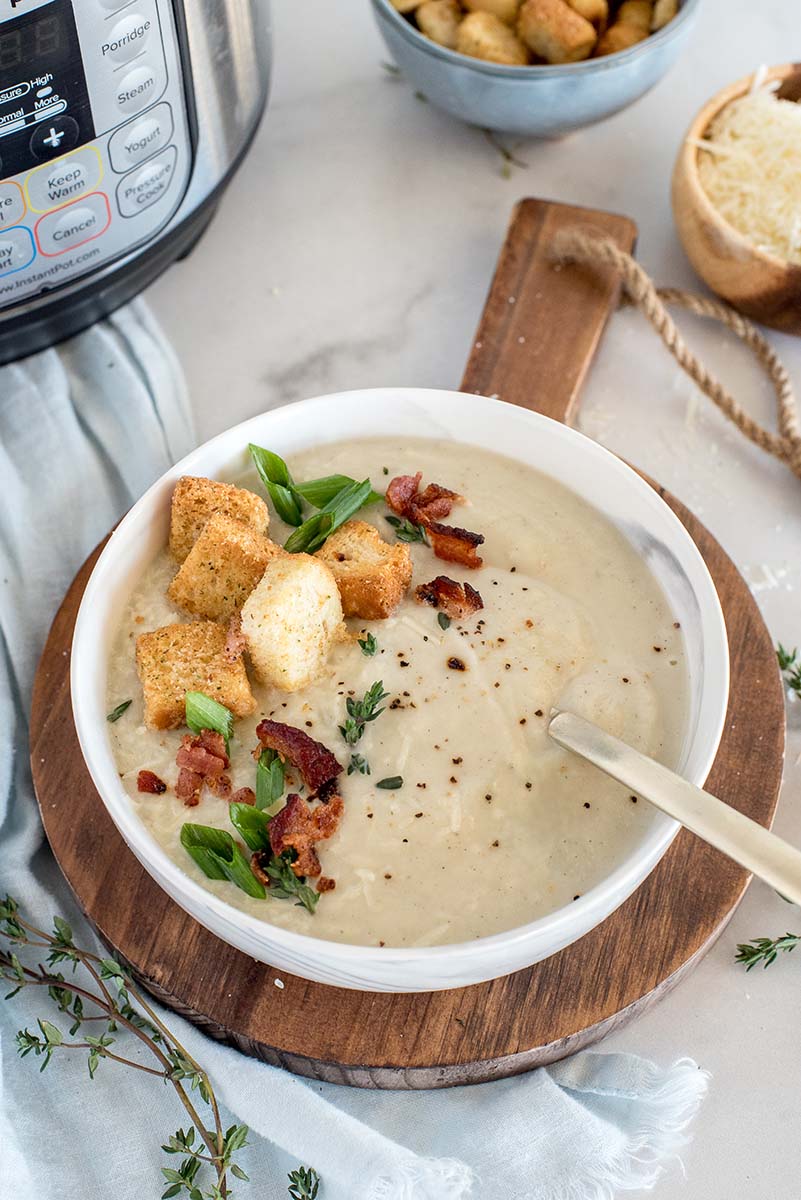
{"x": 758, "y": 284}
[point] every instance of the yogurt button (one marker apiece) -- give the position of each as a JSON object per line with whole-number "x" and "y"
{"x": 141, "y": 138}
{"x": 16, "y": 250}
{"x": 136, "y": 89}
{"x": 126, "y": 37}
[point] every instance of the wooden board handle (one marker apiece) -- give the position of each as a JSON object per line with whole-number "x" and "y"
{"x": 543, "y": 321}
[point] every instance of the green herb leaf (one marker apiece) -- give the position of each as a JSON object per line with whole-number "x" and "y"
{"x": 286, "y": 884}
{"x": 117, "y": 712}
{"x": 369, "y": 645}
{"x": 357, "y": 763}
{"x": 304, "y": 1184}
{"x": 51, "y": 1035}
{"x": 251, "y": 825}
{"x": 791, "y": 668}
{"x": 765, "y": 950}
{"x": 407, "y": 531}
{"x": 320, "y": 492}
{"x": 312, "y": 533}
{"x": 270, "y": 781}
{"x": 391, "y": 783}
{"x": 361, "y": 711}
{"x": 204, "y": 713}
{"x": 220, "y": 857}
{"x": 274, "y": 474}
{"x": 443, "y": 620}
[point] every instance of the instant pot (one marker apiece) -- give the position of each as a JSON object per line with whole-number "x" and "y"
{"x": 121, "y": 121}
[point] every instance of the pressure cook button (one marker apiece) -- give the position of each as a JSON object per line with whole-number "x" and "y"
{"x": 144, "y": 187}
{"x": 136, "y": 89}
{"x": 73, "y": 225}
{"x": 126, "y": 37}
{"x": 53, "y": 137}
{"x": 16, "y": 250}
{"x": 137, "y": 140}
{"x": 12, "y": 205}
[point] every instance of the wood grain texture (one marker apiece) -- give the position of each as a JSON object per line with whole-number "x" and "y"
{"x": 758, "y": 284}
{"x": 472, "y": 1034}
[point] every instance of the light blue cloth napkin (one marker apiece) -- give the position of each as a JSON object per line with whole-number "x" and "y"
{"x": 84, "y": 429}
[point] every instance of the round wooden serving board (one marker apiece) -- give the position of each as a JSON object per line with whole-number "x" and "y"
{"x": 511, "y": 1024}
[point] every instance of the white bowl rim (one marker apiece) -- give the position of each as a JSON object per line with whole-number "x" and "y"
{"x": 97, "y": 754}
{"x": 606, "y": 63}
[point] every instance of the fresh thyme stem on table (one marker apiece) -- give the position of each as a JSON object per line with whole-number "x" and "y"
{"x": 120, "y": 1004}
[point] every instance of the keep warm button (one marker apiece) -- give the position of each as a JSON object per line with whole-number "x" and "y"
{"x": 141, "y": 188}
{"x": 73, "y": 224}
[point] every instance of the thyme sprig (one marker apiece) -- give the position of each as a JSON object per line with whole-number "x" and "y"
{"x": 790, "y": 668}
{"x": 407, "y": 531}
{"x": 361, "y": 711}
{"x": 115, "y": 1002}
{"x": 765, "y": 950}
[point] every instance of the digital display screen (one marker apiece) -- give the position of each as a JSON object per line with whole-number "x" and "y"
{"x": 44, "y": 104}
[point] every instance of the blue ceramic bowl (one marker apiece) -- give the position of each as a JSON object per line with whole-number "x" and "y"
{"x": 537, "y": 101}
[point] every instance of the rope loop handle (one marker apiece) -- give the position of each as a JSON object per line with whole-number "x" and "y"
{"x": 590, "y": 249}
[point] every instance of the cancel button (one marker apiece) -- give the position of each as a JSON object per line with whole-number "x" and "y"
{"x": 73, "y": 225}
{"x": 146, "y": 186}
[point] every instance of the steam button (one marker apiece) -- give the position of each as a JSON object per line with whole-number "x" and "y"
{"x": 137, "y": 89}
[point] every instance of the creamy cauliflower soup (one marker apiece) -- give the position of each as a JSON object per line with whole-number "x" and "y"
{"x": 470, "y": 820}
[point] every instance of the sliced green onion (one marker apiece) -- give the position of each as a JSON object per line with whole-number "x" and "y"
{"x": 117, "y": 712}
{"x": 320, "y": 492}
{"x": 204, "y": 713}
{"x": 274, "y": 474}
{"x": 270, "y": 781}
{"x": 251, "y": 824}
{"x": 312, "y": 533}
{"x": 391, "y": 783}
{"x": 443, "y": 620}
{"x": 220, "y": 857}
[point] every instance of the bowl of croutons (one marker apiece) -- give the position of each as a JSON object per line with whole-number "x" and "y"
{"x": 537, "y": 68}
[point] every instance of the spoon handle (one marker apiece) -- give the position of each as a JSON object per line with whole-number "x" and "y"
{"x": 749, "y": 844}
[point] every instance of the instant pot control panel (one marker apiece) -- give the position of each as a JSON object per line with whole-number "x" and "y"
{"x": 95, "y": 146}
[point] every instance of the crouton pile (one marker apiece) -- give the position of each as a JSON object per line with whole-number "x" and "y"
{"x": 246, "y": 594}
{"x": 519, "y": 33}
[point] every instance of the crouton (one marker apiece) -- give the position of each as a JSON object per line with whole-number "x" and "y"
{"x": 439, "y": 21}
{"x": 195, "y": 500}
{"x": 222, "y": 568}
{"x": 664, "y": 11}
{"x": 596, "y": 11}
{"x": 371, "y": 575}
{"x": 483, "y": 35}
{"x": 291, "y": 620}
{"x": 635, "y": 12}
{"x": 620, "y": 36}
{"x": 504, "y": 10}
{"x": 177, "y": 659}
{"x": 553, "y": 31}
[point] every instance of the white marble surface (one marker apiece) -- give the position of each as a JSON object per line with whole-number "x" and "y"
{"x": 355, "y": 248}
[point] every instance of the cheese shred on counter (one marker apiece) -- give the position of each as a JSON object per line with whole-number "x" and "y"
{"x": 751, "y": 171}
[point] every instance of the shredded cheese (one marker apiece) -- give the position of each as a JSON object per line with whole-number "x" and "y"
{"x": 751, "y": 170}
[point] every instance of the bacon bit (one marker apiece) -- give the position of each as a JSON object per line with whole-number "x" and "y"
{"x": 324, "y": 884}
{"x": 448, "y": 542}
{"x": 400, "y": 491}
{"x": 458, "y": 600}
{"x": 297, "y": 827}
{"x": 235, "y": 641}
{"x": 202, "y": 758}
{"x": 257, "y": 859}
{"x": 316, "y": 763}
{"x": 456, "y": 545}
{"x": 148, "y": 781}
{"x": 244, "y": 795}
{"x": 187, "y": 787}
